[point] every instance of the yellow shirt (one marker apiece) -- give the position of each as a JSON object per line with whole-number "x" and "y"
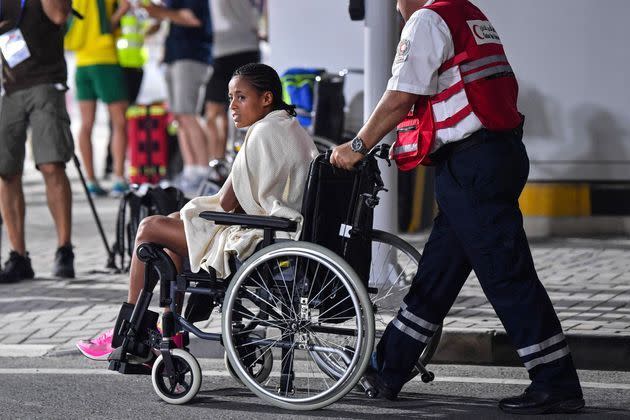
{"x": 100, "y": 44}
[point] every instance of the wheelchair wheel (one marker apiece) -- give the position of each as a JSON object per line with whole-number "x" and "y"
{"x": 186, "y": 382}
{"x": 390, "y": 278}
{"x": 311, "y": 303}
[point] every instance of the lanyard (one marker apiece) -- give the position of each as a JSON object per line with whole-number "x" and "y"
{"x": 21, "y": 12}
{"x": 23, "y": 2}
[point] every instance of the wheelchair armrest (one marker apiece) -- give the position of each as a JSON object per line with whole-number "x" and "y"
{"x": 246, "y": 220}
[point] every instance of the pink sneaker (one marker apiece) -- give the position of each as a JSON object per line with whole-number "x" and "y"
{"x": 99, "y": 348}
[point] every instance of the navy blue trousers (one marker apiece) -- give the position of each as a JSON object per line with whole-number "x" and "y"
{"x": 480, "y": 227}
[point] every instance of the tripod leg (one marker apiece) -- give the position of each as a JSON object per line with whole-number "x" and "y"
{"x": 110, "y": 254}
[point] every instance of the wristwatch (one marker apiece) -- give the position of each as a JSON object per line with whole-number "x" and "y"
{"x": 358, "y": 146}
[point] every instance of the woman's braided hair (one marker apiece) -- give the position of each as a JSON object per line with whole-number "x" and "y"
{"x": 265, "y": 79}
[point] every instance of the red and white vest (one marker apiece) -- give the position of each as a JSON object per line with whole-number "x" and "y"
{"x": 487, "y": 79}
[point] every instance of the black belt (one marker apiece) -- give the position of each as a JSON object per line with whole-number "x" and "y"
{"x": 478, "y": 137}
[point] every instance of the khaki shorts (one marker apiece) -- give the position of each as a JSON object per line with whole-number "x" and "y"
{"x": 186, "y": 82}
{"x": 43, "y": 108}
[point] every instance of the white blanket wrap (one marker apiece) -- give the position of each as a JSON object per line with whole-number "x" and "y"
{"x": 268, "y": 177}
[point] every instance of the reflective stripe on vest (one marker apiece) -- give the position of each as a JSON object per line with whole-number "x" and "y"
{"x": 405, "y": 149}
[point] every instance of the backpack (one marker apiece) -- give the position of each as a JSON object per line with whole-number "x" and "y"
{"x": 298, "y": 89}
{"x": 145, "y": 201}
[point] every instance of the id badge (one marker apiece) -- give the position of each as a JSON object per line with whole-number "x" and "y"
{"x": 14, "y": 48}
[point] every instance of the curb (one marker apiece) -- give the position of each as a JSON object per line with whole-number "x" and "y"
{"x": 457, "y": 346}
{"x": 491, "y": 347}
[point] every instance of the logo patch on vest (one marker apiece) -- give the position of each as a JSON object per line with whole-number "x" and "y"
{"x": 483, "y": 32}
{"x": 402, "y": 51}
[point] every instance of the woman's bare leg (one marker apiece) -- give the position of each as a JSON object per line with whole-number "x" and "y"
{"x": 88, "y": 114}
{"x": 164, "y": 230}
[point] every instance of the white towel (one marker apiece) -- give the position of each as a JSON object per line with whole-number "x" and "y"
{"x": 268, "y": 177}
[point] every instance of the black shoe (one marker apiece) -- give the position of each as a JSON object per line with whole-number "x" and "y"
{"x": 538, "y": 402}
{"x": 64, "y": 262}
{"x": 17, "y": 267}
{"x": 378, "y": 389}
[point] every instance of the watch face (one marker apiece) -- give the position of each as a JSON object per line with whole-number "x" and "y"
{"x": 357, "y": 144}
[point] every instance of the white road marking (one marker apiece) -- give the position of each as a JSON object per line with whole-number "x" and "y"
{"x": 224, "y": 373}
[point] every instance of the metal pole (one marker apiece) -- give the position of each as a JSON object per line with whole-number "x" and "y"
{"x": 110, "y": 255}
{"x": 380, "y": 46}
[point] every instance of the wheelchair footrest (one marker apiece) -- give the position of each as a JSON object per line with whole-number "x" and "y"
{"x": 127, "y": 368}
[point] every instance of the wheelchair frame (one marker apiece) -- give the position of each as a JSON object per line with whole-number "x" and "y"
{"x": 343, "y": 364}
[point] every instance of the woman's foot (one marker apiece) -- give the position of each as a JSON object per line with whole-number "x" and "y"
{"x": 98, "y": 348}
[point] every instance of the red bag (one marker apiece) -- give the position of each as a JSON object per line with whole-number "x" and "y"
{"x": 148, "y": 143}
{"x": 414, "y": 137}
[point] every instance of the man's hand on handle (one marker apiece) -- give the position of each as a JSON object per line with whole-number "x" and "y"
{"x": 344, "y": 157}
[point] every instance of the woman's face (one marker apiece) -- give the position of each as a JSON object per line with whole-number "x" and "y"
{"x": 247, "y": 105}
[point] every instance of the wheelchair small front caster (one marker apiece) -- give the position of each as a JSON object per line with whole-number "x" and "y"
{"x": 427, "y": 377}
{"x": 180, "y": 386}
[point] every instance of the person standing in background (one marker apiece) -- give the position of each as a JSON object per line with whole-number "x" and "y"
{"x": 235, "y": 43}
{"x": 188, "y": 59}
{"x": 34, "y": 78}
{"x": 99, "y": 77}
{"x": 134, "y": 27}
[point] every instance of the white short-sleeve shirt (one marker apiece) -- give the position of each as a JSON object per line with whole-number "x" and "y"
{"x": 425, "y": 44}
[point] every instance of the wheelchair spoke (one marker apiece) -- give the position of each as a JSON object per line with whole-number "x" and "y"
{"x": 328, "y": 342}
{"x": 323, "y": 378}
{"x": 265, "y": 322}
{"x": 310, "y": 290}
{"x": 269, "y": 292}
{"x": 265, "y": 348}
{"x": 332, "y": 307}
{"x": 388, "y": 257}
{"x": 321, "y": 291}
{"x": 297, "y": 266}
{"x": 274, "y": 314}
{"x": 290, "y": 296}
{"x": 290, "y": 353}
{"x": 263, "y": 351}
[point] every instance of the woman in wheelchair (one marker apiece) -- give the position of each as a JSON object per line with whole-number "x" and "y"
{"x": 298, "y": 318}
{"x": 267, "y": 179}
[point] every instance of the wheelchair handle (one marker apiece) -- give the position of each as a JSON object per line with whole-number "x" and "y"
{"x": 328, "y": 155}
{"x": 382, "y": 152}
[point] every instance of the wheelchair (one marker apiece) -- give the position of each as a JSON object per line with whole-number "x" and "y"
{"x": 298, "y": 318}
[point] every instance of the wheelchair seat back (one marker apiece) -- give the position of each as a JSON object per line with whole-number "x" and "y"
{"x": 329, "y": 205}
